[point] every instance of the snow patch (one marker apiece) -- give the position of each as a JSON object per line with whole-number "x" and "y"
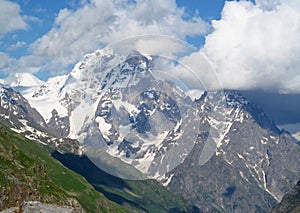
{"x": 167, "y": 182}
{"x": 103, "y": 127}
{"x": 81, "y": 115}
{"x": 264, "y": 141}
{"x": 194, "y": 94}
{"x": 243, "y": 176}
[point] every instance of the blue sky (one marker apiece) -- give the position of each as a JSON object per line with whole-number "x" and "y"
{"x": 42, "y": 15}
{"x": 250, "y": 44}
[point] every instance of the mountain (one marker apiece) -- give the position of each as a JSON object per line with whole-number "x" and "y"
{"x": 101, "y": 91}
{"x": 29, "y": 173}
{"x": 253, "y": 167}
{"x": 21, "y": 117}
{"x": 17, "y": 113}
{"x": 290, "y": 202}
{"x": 219, "y": 151}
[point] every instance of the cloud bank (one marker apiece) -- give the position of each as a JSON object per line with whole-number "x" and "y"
{"x": 255, "y": 46}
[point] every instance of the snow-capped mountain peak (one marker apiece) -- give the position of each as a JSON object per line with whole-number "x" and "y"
{"x": 22, "y": 80}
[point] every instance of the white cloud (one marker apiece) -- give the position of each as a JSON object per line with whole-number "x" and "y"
{"x": 255, "y": 46}
{"x": 292, "y": 85}
{"x": 198, "y": 72}
{"x": 273, "y": 4}
{"x": 16, "y": 45}
{"x": 31, "y": 64}
{"x": 5, "y": 62}
{"x": 160, "y": 45}
{"x": 102, "y": 22}
{"x": 267, "y": 4}
{"x": 10, "y": 17}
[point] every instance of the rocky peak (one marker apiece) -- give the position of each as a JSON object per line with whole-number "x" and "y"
{"x": 246, "y": 162}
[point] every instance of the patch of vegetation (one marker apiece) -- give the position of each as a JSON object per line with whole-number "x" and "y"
{"x": 28, "y": 172}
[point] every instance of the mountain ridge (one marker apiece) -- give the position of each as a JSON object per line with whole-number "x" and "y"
{"x": 122, "y": 110}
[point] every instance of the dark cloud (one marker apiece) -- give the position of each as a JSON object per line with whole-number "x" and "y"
{"x": 281, "y": 108}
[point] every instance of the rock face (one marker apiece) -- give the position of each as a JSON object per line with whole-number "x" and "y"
{"x": 290, "y": 202}
{"x": 253, "y": 167}
{"x": 17, "y": 112}
{"x": 219, "y": 151}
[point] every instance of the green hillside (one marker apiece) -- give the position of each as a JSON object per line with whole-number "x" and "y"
{"x": 28, "y": 172}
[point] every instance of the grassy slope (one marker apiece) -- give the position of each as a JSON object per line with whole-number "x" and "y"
{"x": 147, "y": 196}
{"x": 28, "y": 172}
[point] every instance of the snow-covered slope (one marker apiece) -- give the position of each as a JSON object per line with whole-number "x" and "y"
{"x": 22, "y": 80}
{"x": 45, "y": 98}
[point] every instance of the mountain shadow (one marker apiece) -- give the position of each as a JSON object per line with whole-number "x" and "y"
{"x": 145, "y": 196}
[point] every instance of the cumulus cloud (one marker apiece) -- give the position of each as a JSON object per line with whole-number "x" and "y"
{"x": 10, "y": 17}
{"x": 99, "y": 22}
{"x": 5, "y": 63}
{"x": 17, "y": 45}
{"x": 267, "y": 4}
{"x": 256, "y": 46}
{"x": 196, "y": 72}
